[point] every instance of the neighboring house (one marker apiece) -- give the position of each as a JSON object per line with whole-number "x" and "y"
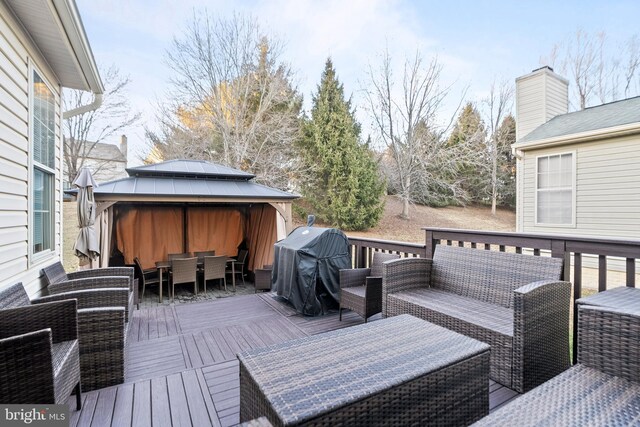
{"x": 578, "y": 173}
{"x": 43, "y": 47}
{"x": 107, "y": 162}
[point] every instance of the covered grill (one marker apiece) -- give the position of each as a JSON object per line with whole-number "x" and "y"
{"x": 306, "y": 269}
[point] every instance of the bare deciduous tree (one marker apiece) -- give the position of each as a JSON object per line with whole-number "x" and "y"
{"x": 84, "y": 131}
{"x": 406, "y": 122}
{"x": 498, "y": 105}
{"x": 235, "y": 102}
{"x": 596, "y": 71}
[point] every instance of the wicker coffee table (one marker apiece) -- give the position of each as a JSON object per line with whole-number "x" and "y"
{"x": 396, "y": 371}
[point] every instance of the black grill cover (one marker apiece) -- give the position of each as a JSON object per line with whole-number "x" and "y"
{"x": 306, "y": 268}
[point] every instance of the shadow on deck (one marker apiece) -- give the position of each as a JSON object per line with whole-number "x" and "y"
{"x": 181, "y": 366}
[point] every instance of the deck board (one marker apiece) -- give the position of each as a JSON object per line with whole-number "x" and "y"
{"x": 182, "y": 367}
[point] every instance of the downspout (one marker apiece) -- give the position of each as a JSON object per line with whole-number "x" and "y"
{"x": 97, "y": 102}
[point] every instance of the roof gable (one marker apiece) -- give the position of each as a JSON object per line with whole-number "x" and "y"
{"x": 604, "y": 116}
{"x": 106, "y": 152}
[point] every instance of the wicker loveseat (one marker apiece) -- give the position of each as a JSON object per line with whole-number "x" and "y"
{"x": 515, "y": 303}
{"x": 58, "y": 281}
{"x": 603, "y": 389}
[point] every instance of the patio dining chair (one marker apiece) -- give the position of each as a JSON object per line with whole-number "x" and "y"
{"x": 148, "y": 277}
{"x": 171, "y": 257}
{"x": 361, "y": 288}
{"x": 239, "y": 264}
{"x": 184, "y": 270}
{"x": 214, "y": 268}
{"x": 39, "y": 351}
{"x": 201, "y": 254}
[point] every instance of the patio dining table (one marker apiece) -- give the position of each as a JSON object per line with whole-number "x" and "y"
{"x": 166, "y": 265}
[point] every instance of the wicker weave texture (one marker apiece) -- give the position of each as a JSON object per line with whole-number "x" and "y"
{"x": 603, "y": 389}
{"x": 59, "y": 281}
{"x": 39, "y": 358}
{"x": 579, "y": 397}
{"x": 489, "y": 276}
{"x": 101, "y": 330}
{"x": 262, "y": 280}
{"x": 214, "y": 268}
{"x": 609, "y": 340}
{"x": 398, "y": 371}
{"x": 528, "y": 331}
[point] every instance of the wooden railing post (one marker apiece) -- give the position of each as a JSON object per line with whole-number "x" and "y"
{"x": 429, "y": 244}
{"x": 559, "y": 250}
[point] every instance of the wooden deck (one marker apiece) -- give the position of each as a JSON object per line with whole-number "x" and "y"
{"x": 181, "y": 365}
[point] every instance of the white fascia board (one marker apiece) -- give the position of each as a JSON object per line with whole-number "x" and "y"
{"x": 603, "y": 133}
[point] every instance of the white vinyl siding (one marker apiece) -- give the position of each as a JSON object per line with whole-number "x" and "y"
{"x": 17, "y": 56}
{"x": 607, "y": 188}
{"x": 540, "y": 96}
{"x": 555, "y": 190}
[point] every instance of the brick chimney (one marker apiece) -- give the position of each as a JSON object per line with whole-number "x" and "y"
{"x": 123, "y": 146}
{"x": 540, "y": 96}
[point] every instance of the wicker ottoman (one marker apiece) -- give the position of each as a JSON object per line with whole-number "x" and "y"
{"x": 396, "y": 371}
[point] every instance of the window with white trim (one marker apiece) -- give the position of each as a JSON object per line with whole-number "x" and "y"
{"x": 554, "y": 189}
{"x": 43, "y": 137}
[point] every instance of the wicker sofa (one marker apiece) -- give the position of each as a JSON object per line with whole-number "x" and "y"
{"x": 101, "y": 330}
{"x": 603, "y": 389}
{"x": 516, "y": 303}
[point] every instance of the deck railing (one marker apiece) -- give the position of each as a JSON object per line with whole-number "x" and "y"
{"x": 362, "y": 249}
{"x": 602, "y": 254}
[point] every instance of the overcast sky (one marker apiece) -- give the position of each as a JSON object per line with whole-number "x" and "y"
{"x": 476, "y": 41}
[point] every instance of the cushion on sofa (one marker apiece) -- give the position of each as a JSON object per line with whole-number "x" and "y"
{"x": 485, "y": 322}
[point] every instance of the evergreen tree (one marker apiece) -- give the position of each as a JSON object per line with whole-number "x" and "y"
{"x": 342, "y": 183}
{"x": 470, "y": 130}
{"x": 506, "y": 173}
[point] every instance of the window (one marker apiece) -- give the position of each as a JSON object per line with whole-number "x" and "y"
{"x": 555, "y": 190}
{"x": 43, "y": 125}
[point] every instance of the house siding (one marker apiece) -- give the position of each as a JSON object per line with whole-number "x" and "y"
{"x": 17, "y": 55}
{"x": 607, "y": 188}
{"x": 540, "y": 96}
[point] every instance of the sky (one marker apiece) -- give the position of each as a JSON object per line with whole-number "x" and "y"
{"x": 477, "y": 42}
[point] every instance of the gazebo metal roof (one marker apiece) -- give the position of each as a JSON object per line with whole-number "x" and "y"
{"x": 188, "y": 179}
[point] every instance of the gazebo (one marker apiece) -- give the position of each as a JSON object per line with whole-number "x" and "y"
{"x": 187, "y": 206}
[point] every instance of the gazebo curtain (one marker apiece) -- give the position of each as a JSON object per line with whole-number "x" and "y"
{"x": 262, "y": 233}
{"x": 219, "y": 229}
{"x": 149, "y": 233}
{"x": 152, "y": 232}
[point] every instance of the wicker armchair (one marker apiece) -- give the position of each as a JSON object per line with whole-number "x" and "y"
{"x": 101, "y": 330}
{"x": 214, "y": 268}
{"x": 58, "y": 281}
{"x": 184, "y": 270}
{"x": 361, "y": 288}
{"x": 515, "y": 303}
{"x": 601, "y": 390}
{"x": 262, "y": 280}
{"x": 39, "y": 356}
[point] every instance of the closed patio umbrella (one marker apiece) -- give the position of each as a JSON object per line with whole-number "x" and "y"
{"x": 87, "y": 246}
